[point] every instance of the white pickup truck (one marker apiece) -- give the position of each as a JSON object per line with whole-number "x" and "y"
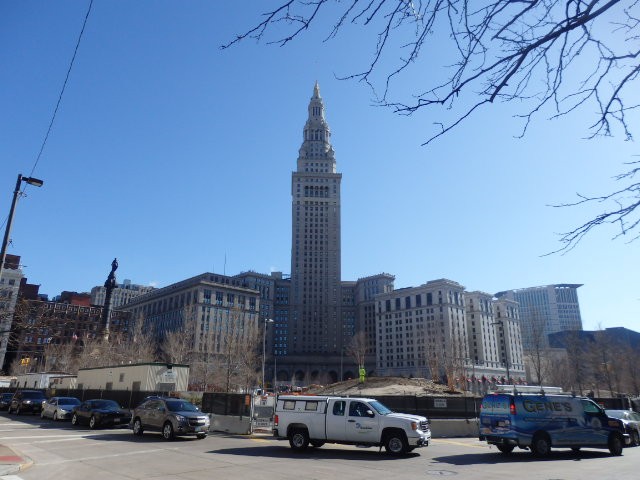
{"x": 316, "y": 420}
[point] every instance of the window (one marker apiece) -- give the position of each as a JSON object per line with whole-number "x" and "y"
{"x": 339, "y": 407}
{"x": 121, "y": 378}
{"x": 289, "y": 405}
{"x": 311, "y": 406}
{"x": 357, "y": 409}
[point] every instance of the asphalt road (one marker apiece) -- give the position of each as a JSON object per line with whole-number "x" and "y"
{"x": 60, "y": 451}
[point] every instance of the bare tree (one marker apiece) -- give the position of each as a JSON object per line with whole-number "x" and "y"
{"x": 59, "y": 357}
{"x": 357, "y": 348}
{"x": 178, "y": 345}
{"x": 551, "y": 58}
{"x": 538, "y": 349}
{"x": 141, "y": 344}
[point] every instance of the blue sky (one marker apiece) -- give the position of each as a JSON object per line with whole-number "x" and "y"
{"x": 173, "y": 155}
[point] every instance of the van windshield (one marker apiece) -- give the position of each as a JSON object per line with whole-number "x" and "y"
{"x": 380, "y": 408}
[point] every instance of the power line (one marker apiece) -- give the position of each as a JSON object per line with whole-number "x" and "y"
{"x": 64, "y": 86}
{"x": 55, "y": 111}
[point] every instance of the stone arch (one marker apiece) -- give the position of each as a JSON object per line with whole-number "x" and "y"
{"x": 349, "y": 375}
{"x": 314, "y": 377}
{"x": 299, "y": 376}
{"x": 333, "y": 376}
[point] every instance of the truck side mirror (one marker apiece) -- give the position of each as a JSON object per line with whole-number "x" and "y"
{"x": 370, "y": 414}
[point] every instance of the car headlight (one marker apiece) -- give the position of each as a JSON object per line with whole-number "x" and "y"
{"x": 181, "y": 418}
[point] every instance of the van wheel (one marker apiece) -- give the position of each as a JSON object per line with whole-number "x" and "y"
{"x": 615, "y": 444}
{"x": 396, "y": 443}
{"x": 540, "y": 445}
{"x": 506, "y": 448}
{"x": 299, "y": 439}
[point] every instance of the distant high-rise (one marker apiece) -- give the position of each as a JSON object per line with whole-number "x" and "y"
{"x": 315, "y": 330}
{"x": 544, "y": 310}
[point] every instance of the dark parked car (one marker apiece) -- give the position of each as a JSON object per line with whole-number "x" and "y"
{"x": 5, "y": 400}
{"x": 27, "y": 401}
{"x": 171, "y": 416}
{"x": 59, "y": 408}
{"x": 631, "y": 422}
{"x": 100, "y": 413}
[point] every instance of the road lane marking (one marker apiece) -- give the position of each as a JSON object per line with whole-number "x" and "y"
{"x": 102, "y": 457}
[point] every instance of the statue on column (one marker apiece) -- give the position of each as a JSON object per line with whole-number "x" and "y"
{"x": 111, "y": 279}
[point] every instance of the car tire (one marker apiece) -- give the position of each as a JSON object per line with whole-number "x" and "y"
{"x": 93, "y": 422}
{"x": 541, "y": 445}
{"x": 635, "y": 438}
{"x": 55, "y": 416}
{"x": 201, "y": 436}
{"x": 167, "y": 431}
{"x": 616, "y": 443}
{"x": 74, "y": 420}
{"x": 506, "y": 449}
{"x": 137, "y": 427}
{"x": 395, "y": 443}
{"x": 299, "y": 439}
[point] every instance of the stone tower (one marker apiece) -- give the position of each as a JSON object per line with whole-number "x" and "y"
{"x": 315, "y": 339}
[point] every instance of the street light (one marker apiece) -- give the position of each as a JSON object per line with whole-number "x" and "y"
{"x": 264, "y": 348}
{"x": 31, "y": 181}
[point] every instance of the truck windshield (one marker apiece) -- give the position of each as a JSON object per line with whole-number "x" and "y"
{"x": 380, "y": 408}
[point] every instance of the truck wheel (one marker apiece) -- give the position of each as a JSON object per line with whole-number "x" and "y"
{"x": 299, "y": 439}
{"x": 506, "y": 448}
{"x": 540, "y": 445}
{"x": 316, "y": 443}
{"x": 396, "y": 443}
{"x": 615, "y": 444}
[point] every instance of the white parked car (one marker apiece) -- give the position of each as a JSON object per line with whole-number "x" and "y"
{"x": 59, "y": 408}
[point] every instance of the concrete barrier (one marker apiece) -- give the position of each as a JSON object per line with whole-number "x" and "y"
{"x": 454, "y": 427}
{"x": 230, "y": 424}
{"x": 440, "y": 427}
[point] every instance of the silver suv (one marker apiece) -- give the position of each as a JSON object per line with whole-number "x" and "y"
{"x": 171, "y": 416}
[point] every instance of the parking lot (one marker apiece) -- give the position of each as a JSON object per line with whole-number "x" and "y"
{"x": 59, "y": 450}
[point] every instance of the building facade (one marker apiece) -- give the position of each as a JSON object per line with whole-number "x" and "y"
{"x": 212, "y": 305}
{"x": 545, "y": 310}
{"x": 440, "y": 331}
{"x": 125, "y": 292}
{"x": 10, "y": 279}
{"x": 43, "y": 323}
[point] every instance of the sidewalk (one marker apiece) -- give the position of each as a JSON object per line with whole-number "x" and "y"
{"x": 11, "y": 462}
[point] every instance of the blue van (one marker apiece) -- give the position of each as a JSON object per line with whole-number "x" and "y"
{"x": 538, "y": 422}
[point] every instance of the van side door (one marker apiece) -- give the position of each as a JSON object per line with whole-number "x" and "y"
{"x": 336, "y": 419}
{"x": 595, "y": 423}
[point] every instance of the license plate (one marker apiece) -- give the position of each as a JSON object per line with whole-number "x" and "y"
{"x": 117, "y": 419}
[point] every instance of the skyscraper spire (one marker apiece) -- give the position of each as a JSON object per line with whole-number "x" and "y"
{"x": 316, "y": 143}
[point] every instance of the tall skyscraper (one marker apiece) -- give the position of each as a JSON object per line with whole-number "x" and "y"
{"x": 544, "y": 310}
{"x": 315, "y": 332}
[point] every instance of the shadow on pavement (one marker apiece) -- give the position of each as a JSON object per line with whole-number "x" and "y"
{"x": 491, "y": 458}
{"x": 324, "y": 453}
